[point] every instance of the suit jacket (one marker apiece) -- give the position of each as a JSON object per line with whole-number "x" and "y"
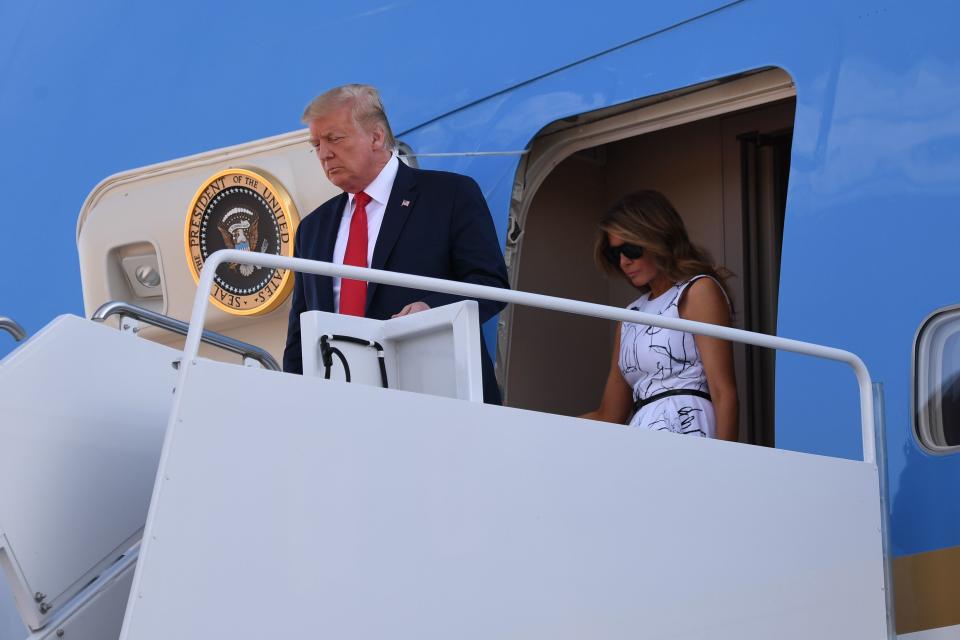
{"x": 435, "y": 224}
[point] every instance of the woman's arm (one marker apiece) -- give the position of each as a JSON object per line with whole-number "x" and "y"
{"x": 704, "y": 301}
{"x": 617, "y": 400}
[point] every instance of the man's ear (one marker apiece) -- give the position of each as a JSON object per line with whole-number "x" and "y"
{"x": 378, "y": 137}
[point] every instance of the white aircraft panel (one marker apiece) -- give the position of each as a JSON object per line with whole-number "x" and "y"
{"x": 435, "y": 351}
{"x": 84, "y": 412}
{"x": 11, "y": 627}
{"x": 342, "y": 511}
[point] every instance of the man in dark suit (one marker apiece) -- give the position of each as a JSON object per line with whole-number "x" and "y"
{"x": 392, "y": 217}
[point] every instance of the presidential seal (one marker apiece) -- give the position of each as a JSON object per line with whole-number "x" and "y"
{"x": 249, "y": 211}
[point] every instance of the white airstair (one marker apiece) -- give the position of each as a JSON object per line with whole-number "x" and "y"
{"x": 256, "y": 504}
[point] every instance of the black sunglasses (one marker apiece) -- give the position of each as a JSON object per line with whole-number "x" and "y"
{"x": 612, "y": 254}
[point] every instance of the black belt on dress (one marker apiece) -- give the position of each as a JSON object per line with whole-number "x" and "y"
{"x": 640, "y": 404}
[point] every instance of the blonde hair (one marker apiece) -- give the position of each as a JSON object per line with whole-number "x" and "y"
{"x": 648, "y": 219}
{"x": 366, "y": 107}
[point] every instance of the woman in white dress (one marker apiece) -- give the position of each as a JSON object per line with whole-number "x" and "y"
{"x": 662, "y": 379}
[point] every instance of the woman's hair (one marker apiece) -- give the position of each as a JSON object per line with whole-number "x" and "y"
{"x": 647, "y": 219}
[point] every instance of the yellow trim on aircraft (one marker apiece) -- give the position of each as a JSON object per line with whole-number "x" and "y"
{"x": 926, "y": 589}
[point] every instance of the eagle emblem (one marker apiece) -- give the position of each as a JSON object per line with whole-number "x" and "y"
{"x": 239, "y": 229}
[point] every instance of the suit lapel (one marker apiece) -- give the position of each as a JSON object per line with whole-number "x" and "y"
{"x": 403, "y": 198}
{"x": 326, "y": 241}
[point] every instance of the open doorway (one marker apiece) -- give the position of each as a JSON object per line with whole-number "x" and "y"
{"x": 720, "y": 152}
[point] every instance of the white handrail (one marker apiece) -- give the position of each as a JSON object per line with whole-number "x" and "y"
{"x": 509, "y": 296}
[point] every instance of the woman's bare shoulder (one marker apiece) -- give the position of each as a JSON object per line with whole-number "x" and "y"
{"x": 705, "y": 300}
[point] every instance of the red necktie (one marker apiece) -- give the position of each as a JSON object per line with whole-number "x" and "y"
{"x": 353, "y": 293}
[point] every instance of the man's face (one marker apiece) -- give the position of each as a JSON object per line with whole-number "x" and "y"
{"x": 351, "y": 157}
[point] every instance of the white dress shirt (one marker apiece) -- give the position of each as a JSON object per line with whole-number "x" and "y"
{"x": 379, "y": 192}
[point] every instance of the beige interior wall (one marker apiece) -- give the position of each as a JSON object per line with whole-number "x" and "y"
{"x": 684, "y": 163}
{"x": 559, "y": 363}
{"x": 555, "y": 356}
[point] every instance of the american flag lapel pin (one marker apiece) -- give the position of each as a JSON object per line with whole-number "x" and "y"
{"x": 405, "y": 203}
